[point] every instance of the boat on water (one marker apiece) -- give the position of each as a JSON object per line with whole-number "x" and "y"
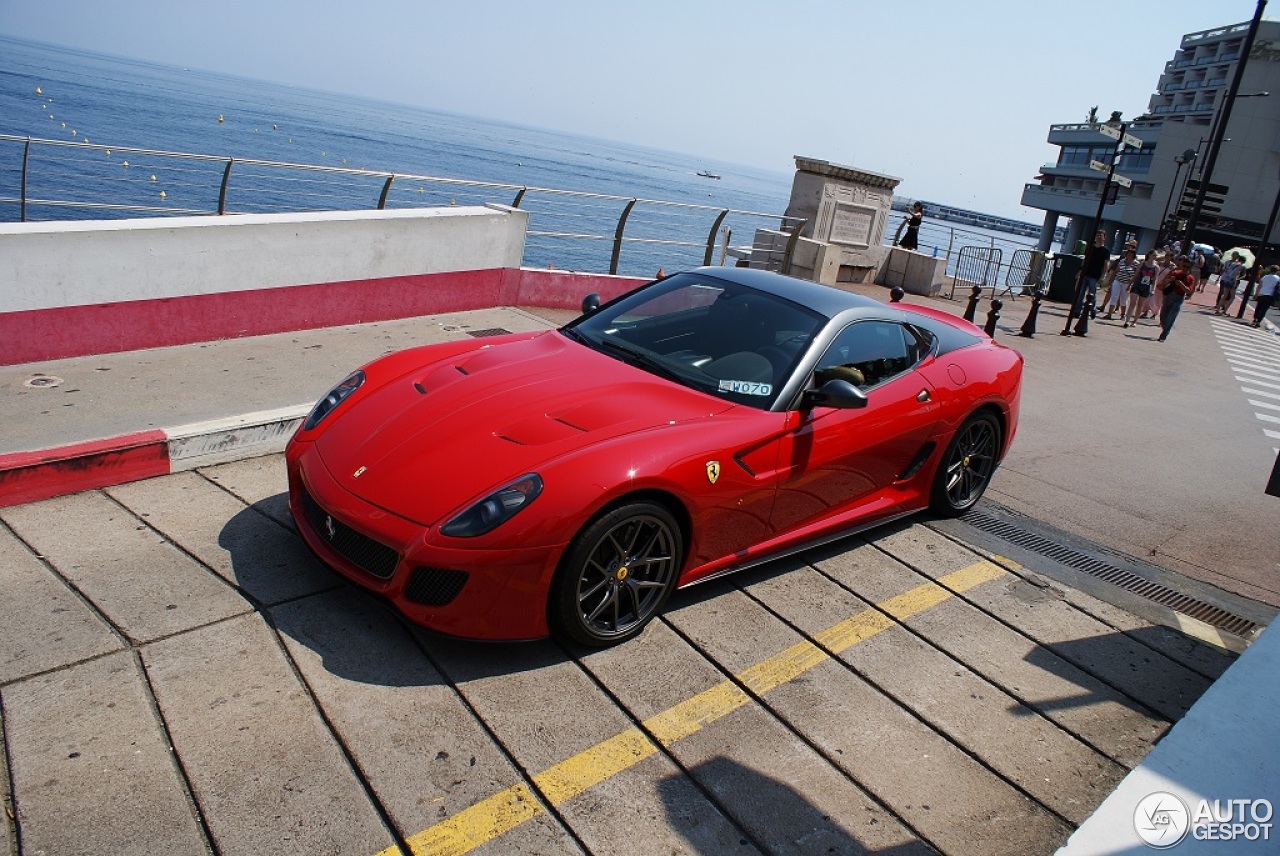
{"x": 705, "y": 174}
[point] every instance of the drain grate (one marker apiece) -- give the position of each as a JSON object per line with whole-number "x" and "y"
{"x": 1127, "y": 580}
{"x": 492, "y": 331}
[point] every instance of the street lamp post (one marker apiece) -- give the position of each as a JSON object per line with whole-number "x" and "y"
{"x": 1078, "y": 305}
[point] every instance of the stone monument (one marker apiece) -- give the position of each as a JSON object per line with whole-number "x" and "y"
{"x": 845, "y": 212}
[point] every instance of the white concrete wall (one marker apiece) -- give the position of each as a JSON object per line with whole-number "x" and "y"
{"x": 63, "y": 264}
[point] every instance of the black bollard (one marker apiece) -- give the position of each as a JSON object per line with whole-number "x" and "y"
{"x": 1082, "y": 323}
{"x": 1244, "y": 299}
{"x": 1029, "y": 325}
{"x": 992, "y": 317}
{"x": 896, "y": 294}
{"x": 971, "y": 311}
{"x": 1078, "y": 301}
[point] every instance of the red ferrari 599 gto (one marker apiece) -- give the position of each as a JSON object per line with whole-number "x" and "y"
{"x": 567, "y": 481}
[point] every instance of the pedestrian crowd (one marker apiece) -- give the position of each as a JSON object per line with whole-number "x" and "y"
{"x": 1156, "y": 285}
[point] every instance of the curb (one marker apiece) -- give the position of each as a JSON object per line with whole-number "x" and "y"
{"x": 44, "y": 474}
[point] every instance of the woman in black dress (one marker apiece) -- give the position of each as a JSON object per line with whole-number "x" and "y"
{"x": 912, "y": 238}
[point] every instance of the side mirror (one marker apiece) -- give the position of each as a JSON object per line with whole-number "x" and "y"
{"x": 835, "y": 393}
{"x": 590, "y": 303}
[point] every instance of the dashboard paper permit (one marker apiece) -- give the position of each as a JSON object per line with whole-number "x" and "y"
{"x": 746, "y": 387}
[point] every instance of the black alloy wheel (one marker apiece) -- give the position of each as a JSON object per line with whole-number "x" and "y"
{"x": 967, "y": 466}
{"x": 616, "y": 575}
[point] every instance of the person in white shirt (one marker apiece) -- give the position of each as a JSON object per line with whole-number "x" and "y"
{"x": 1266, "y": 295}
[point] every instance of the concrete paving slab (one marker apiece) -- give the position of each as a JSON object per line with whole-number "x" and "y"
{"x": 785, "y": 796}
{"x": 1092, "y": 711}
{"x": 1243, "y": 746}
{"x": 1059, "y": 771}
{"x": 1144, "y": 674}
{"x": 140, "y": 582}
{"x": 945, "y": 796}
{"x": 264, "y": 770}
{"x": 92, "y": 767}
{"x": 558, "y": 725}
{"x": 45, "y": 624}
{"x": 1201, "y": 657}
{"x": 260, "y": 558}
{"x": 260, "y": 482}
{"x": 425, "y": 755}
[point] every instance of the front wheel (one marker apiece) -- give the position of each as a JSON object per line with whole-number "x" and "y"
{"x": 967, "y": 466}
{"x": 616, "y": 575}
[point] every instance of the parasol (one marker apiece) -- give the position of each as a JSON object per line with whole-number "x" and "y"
{"x": 1245, "y": 253}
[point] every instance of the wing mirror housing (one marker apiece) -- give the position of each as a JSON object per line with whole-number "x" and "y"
{"x": 835, "y": 393}
{"x": 590, "y": 303}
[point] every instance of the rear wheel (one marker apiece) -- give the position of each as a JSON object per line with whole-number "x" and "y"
{"x": 967, "y": 465}
{"x": 616, "y": 575}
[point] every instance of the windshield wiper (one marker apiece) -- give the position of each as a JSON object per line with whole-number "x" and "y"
{"x": 572, "y": 333}
{"x": 644, "y": 361}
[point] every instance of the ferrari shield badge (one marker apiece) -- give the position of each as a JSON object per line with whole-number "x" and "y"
{"x": 713, "y": 471}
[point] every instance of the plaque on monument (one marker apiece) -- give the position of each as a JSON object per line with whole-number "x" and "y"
{"x": 851, "y": 224}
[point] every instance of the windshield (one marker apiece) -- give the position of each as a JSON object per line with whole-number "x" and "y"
{"x": 718, "y": 337}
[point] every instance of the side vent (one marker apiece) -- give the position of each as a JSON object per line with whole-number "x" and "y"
{"x": 918, "y": 461}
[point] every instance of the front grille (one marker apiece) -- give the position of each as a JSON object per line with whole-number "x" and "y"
{"x": 368, "y": 555}
{"x": 434, "y": 586}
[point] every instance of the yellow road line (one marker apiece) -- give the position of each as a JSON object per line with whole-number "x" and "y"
{"x": 507, "y": 809}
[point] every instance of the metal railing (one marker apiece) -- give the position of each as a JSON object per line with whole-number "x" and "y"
{"x": 55, "y": 179}
{"x": 571, "y": 230}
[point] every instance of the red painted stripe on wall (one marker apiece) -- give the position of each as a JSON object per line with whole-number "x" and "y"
{"x": 105, "y": 328}
{"x": 30, "y": 476}
{"x": 75, "y": 331}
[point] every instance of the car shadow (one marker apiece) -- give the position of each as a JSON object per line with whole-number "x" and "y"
{"x": 354, "y": 634}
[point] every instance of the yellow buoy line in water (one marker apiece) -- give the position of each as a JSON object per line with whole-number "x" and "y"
{"x": 47, "y": 100}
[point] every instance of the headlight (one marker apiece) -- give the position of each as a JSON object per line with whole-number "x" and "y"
{"x": 326, "y": 405}
{"x": 495, "y": 509}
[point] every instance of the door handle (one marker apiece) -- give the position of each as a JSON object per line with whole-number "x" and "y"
{"x": 922, "y": 396}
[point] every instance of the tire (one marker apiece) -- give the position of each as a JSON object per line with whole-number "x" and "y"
{"x": 967, "y": 466}
{"x": 616, "y": 575}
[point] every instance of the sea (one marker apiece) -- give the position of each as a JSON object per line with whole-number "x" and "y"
{"x": 115, "y": 119}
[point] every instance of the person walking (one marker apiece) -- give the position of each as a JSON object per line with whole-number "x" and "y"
{"x": 1144, "y": 283}
{"x": 1164, "y": 267}
{"x": 1212, "y": 267}
{"x": 1178, "y": 286}
{"x": 1227, "y": 282}
{"x": 1267, "y": 287}
{"x": 1096, "y": 261}
{"x": 1123, "y": 273}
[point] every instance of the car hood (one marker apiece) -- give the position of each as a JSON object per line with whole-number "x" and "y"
{"x": 428, "y": 441}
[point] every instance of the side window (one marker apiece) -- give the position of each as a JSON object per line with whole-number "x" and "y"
{"x": 868, "y": 353}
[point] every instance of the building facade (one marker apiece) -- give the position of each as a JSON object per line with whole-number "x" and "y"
{"x": 1175, "y": 131}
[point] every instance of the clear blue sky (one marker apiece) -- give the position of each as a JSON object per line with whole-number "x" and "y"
{"x": 955, "y": 98}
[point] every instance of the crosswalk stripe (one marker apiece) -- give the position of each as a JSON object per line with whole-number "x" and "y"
{"x": 1253, "y": 359}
